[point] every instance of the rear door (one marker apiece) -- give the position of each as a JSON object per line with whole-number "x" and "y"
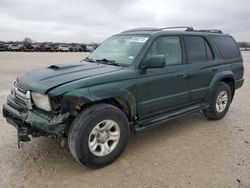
{"x": 201, "y": 64}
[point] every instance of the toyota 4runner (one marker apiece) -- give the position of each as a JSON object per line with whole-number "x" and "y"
{"x": 133, "y": 81}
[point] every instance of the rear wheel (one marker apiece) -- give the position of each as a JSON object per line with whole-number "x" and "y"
{"x": 220, "y": 102}
{"x": 99, "y": 135}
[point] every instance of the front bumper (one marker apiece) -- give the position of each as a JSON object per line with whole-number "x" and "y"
{"x": 35, "y": 123}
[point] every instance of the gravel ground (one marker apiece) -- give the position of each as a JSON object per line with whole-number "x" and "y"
{"x": 188, "y": 152}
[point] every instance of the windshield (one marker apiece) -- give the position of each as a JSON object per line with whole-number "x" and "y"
{"x": 121, "y": 49}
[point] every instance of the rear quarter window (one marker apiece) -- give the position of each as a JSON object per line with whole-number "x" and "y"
{"x": 227, "y": 46}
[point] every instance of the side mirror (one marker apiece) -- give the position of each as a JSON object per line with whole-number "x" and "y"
{"x": 155, "y": 61}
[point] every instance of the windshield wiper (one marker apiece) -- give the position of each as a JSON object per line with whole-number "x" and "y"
{"x": 109, "y": 61}
{"x": 89, "y": 60}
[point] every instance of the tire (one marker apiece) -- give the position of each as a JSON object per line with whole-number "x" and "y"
{"x": 216, "y": 112}
{"x": 85, "y": 130}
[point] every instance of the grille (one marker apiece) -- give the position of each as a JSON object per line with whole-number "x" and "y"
{"x": 21, "y": 96}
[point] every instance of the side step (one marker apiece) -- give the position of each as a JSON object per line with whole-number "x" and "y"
{"x": 152, "y": 122}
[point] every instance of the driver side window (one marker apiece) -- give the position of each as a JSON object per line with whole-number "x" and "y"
{"x": 170, "y": 47}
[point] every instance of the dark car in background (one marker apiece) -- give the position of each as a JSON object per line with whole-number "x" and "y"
{"x": 39, "y": 47}
{"x": 50, "y": 48}
{"x": 78, "y": 48}
{"x": 28, "y": 47}
{"x": 3, "y": 47}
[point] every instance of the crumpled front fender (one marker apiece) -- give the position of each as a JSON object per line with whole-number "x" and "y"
{"x": 85, "y": 95}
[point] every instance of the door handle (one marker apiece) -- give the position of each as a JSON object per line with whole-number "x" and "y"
{"x": 214, "y": 69}
{"x": 182, "y": 75}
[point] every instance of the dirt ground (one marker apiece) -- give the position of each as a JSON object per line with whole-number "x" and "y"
{"x": 188, "y": 152}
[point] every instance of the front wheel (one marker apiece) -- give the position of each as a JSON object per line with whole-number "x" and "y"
{"x": 99, "y": 135}
{"x": 220, "y": 102}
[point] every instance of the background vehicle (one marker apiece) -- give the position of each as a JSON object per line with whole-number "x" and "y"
{"x": 16, "y": 47}
{"x": 78, "y": 48}
{"x": 133, "y": 81}
{"x": 29, "y": 47}
{"x": 39, "y": 47}
{"x": 3, "y": 47}
{"x": 51, "y": 48}
{"x": 91, "y": 47}
{"x": 63, "y": 48}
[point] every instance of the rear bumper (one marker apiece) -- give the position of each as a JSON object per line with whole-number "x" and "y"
{"x": 239, "y": 83}
{"x": 34, "y": 122}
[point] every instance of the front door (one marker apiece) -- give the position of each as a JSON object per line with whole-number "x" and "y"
{"x": 160, "y": 90}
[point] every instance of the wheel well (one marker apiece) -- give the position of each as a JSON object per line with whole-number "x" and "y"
{"x": 231, "y": 83}
{"x": 119, "y": 103}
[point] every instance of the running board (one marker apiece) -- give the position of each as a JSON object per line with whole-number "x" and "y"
{"x": 152, "y": 122}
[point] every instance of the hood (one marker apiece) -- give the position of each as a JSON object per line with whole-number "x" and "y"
{"x": 43, "y": 79}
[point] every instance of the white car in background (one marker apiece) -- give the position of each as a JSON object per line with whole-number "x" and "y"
{"x": 16, "y": 47}
{"x": 63, "y": 48}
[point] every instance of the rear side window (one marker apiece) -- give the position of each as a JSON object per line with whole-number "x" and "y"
{"x": 197, "y": 49}
{"x": 227, "y": 46}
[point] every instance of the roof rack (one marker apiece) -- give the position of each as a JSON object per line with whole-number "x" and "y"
{"x": 205, "y": 30}
{"x": 179, "y": 27}
{"x": 187, "y": 28}
{"x": 142, "y": 29}
{"x": 193, "y": 30}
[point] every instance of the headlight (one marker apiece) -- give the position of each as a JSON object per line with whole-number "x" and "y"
{"x": 41, "y": 101}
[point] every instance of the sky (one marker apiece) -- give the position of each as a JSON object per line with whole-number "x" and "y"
{"x": 95, "y": 20}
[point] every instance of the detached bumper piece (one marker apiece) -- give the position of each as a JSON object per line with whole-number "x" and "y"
{"x": 22, "y": 135}
{"x": 35, "y": 123}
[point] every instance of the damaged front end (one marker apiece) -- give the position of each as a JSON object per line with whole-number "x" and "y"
{"x": 31, "y": 121}
{"x": 35, "y": 123}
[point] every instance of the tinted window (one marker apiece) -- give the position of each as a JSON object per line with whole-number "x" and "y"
{"x": 196, "y": 50}
{"x": 227, "y": 46}
{"x": 170, "y": 47}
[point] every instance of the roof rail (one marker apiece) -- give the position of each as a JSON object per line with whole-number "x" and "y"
{"x": 193, "y": 30}
{"x": 187, "y": 28}
{"x": 179, "y": 27}
{"x": 205, "y": 30}
{"x": 142, "y": 29}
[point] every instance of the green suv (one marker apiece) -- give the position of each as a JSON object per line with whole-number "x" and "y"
{"x": 133, "y": 81}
